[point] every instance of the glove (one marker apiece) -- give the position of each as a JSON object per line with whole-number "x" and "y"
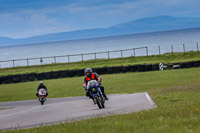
{"x": 84, "y": 87}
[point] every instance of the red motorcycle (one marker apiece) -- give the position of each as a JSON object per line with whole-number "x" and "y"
{"x": 42, "y": 96}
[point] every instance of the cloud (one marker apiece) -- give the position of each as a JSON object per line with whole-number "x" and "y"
{"x": 30, "y": 18}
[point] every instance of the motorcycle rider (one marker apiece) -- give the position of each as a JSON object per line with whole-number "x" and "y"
{"x": 90, "y": 75}
{"x": 41, "y": 85}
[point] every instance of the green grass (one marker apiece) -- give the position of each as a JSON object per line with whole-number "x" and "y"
{"x": 176, "y": 93}
{"x": 166, "y": 58}
{"x": 114, "y": 83}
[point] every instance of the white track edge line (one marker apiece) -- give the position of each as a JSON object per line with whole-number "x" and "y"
{"x": 149, "y": 98}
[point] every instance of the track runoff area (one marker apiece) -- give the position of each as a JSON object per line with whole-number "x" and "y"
{"x": 27, "y": 114}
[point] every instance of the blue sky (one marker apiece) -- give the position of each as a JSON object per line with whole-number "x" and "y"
{"x": 26, "y": 18}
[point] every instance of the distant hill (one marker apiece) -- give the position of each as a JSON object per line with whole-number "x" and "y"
{"x": 160, "y": 23}
{"x": 6, "y": 41}
{"x": 144, "y": 25}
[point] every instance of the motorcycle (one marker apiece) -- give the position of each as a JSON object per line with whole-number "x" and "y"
{"x": 42, "y": 95}
{"x": 95, "y": 92}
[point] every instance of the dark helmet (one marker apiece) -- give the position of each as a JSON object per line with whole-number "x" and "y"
{"x": 41, "y": 83}
{"x": 88, "y": 71}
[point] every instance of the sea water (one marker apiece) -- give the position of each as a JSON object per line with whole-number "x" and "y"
{"x": 152, "y": 40}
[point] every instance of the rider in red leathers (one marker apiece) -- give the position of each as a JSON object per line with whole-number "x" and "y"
{"x": 89, "y": 75}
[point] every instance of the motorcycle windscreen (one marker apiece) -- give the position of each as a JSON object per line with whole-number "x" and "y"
{"x": 91, "y": 84}
{"x": 42, "y": 91}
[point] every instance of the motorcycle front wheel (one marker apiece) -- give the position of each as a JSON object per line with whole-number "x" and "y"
{"x": 102, "y": 100}
{"x": 98, "y": 101}
{"x": 42, "y": 101}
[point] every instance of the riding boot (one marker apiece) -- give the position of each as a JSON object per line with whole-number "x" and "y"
{"x": 104, "y": 95}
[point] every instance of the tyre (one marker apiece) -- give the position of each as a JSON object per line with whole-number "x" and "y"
{"x": 1, "y": 80}
{"x": 102, "y": 104}
{"x": 31, "y": 76}
{"x": 42, "y": 101}
{"x": 16, "y": 79}
{"x": 55, "y": 74}
{"x": 102, "y": 101}
{"x": 98, "y": 102}
{"x": 40, "y": 76}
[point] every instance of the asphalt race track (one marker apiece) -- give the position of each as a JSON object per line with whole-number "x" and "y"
{"x": 26, "y": 114}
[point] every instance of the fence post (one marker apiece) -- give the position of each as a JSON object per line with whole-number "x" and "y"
{"x": 95, "y": 56}
{"x": 147, "y": 50}
{"x": 159, "y": 50}
{"x": 54, "y": 59}
{"x": 13, "y": 63}
{"x": 82, "y": 57}
{"x": 27, "y": 62}
{"x": 197, "y": 47}
{"x": 121, "y": 54}
{"x": 68, "y": 59}
{"x": 183, "y": 48}
{"x": 41, "y": 61}
{"x": 134, "y": 52}
{"x": 172, "y": 49}
{"x": 108, "y": 55}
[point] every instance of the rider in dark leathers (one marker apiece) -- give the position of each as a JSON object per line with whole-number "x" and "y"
{"x": 89, "y": 75}
{"x": 41, "y": 85}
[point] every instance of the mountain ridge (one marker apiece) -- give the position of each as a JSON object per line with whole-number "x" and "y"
{"x": 144, "y": 25}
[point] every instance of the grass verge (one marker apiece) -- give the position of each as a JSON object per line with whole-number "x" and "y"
{"x": 165, "y": 58}
{"x": 114, "y": 83}
{"x": 176, "y": 92}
